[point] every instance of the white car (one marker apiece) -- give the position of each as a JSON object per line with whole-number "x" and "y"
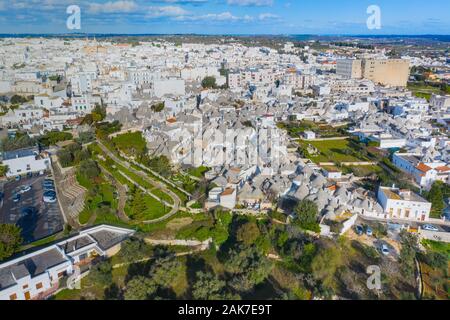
{"x": 24, "y": 189}
{"x": 429, "y": 227}
{"x": 385, "y": 250}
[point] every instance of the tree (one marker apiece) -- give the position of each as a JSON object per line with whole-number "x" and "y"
{"x": 325, "y": 264}
{"x": 54, "y": 137}
{"x": 86, "y": 137}
{"x": 89, "y": 169}
{"x": 65, "y": 158}
{"x": 158, "y": 107}
{"x": 436, "y": 197}
{"x": 10, "y": 240}
{"x": 19, "y": 142}
{"x": 16, "y": 99}
{"x": 408, "y": 253}
{"x": 208, "y": 287}
{"x": 138, "y": 205}
{"x": 164, "y": 270}
{"x": 101, "y": 273}
{"x": 307, "y": 214}
{"x": 209, "y": 83}
{"x": 140, "y": 288}
{"x": 435, "y": 260}
{"x": 248, "y": 233}
{"x": 159, "y": 164}
{"x": 132, "y": 250}
{"x": 3, "y": 170}
{"x": 248, "y": 266}
{"x": 98, "y": 113}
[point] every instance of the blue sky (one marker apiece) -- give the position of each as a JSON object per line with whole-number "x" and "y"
{"x": 227, "y": 16}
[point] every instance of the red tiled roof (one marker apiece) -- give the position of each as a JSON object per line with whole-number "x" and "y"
{"x": 443, "y": 169}
{"x": 423, "y": 167}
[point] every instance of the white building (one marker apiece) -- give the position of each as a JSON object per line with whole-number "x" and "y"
{"x": 37, "y": 274}
{"x": 21, "y": 162}
{"x": 164, "y": 87}
{"x": 403, "y": 204}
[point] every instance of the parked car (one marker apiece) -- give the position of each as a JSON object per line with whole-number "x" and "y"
{"x": 16, "y": 197}
{"x": 385, "y": 250}
{"x": 429, "y": 227}
{"x": 48, "y": 185}
{"x": 18, "y": 178}
{"x": 359, "y": 230}
{"x": 28, "y": 211}
{"x": 49, "y": 188}
{"x": 2, "y": 195}
{"x": 50, "y": 197}
{"x": 369, "y": 231}
{"x": 29, "y": 175}
{"x": 25, "y": 188}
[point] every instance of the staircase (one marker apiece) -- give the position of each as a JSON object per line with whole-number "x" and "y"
{"x": 74, "y": 193}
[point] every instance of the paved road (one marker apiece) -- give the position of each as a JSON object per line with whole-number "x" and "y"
{"x": 442, "y": 226}
{"x": 177, "y": 202}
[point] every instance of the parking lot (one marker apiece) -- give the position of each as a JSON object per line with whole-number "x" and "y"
{"x": 36, "y": 218}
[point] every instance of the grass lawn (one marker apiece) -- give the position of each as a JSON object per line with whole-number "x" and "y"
{"x": 324, "y": 130}
{"x": 163, "y": 196}
{"x": 104, "y": 196}
{"x": 437, "y": 246}
{"x": 336, "y": 151}
{"x": 131, "y": 143}
{"x": 421, "y": 90}
{"x": 363, "y": 171}
{"x": 198, "y": 172}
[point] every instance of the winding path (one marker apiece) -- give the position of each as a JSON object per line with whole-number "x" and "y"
{"x": 177, "y": 202}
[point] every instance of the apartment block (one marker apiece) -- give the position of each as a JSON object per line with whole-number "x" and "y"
{"x": 388, "y": 72}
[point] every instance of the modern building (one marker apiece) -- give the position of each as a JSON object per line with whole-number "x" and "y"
{"x": 37, "y": 275}
{"x": 349, "y": 68}
{"x": 403, "y": 204}
{"x": 24, "y": 161}
{"x": 388, "y": 72}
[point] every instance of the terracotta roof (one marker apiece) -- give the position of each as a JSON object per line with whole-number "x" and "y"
{"x": 423, "y": 167}
{"x": 228, "y": 192}
{"x": 443, "y": 169}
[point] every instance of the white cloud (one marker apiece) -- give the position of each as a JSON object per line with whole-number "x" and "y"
{"x": 268, "y": 16}
{"x": 167, "y": 11}
{"x": 121, "y": 6}
{"x": 250, "y": 3}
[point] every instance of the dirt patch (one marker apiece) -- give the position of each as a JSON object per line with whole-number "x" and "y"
{"x": 178, "y": 224}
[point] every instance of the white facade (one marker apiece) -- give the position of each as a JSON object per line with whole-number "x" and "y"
{"x": 29, "y": 163}
{"x": 403, "y": 204}
{"x": 37, "y": 274}
{"x": 174, "y": 87}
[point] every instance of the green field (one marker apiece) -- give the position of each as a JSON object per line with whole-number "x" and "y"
{"x": 363, "y": 171}
{"x": 131, "y": 143}
{"x": 336, "y": 151}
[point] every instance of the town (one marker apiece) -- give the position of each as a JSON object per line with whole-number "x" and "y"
{"x": 275, "y": 168}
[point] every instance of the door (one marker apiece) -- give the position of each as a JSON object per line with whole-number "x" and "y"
{"x": 27, "y": 295}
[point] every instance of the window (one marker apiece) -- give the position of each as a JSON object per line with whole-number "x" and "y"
{"x": 13, "y": 297}
{"x": 39, "y": 286}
